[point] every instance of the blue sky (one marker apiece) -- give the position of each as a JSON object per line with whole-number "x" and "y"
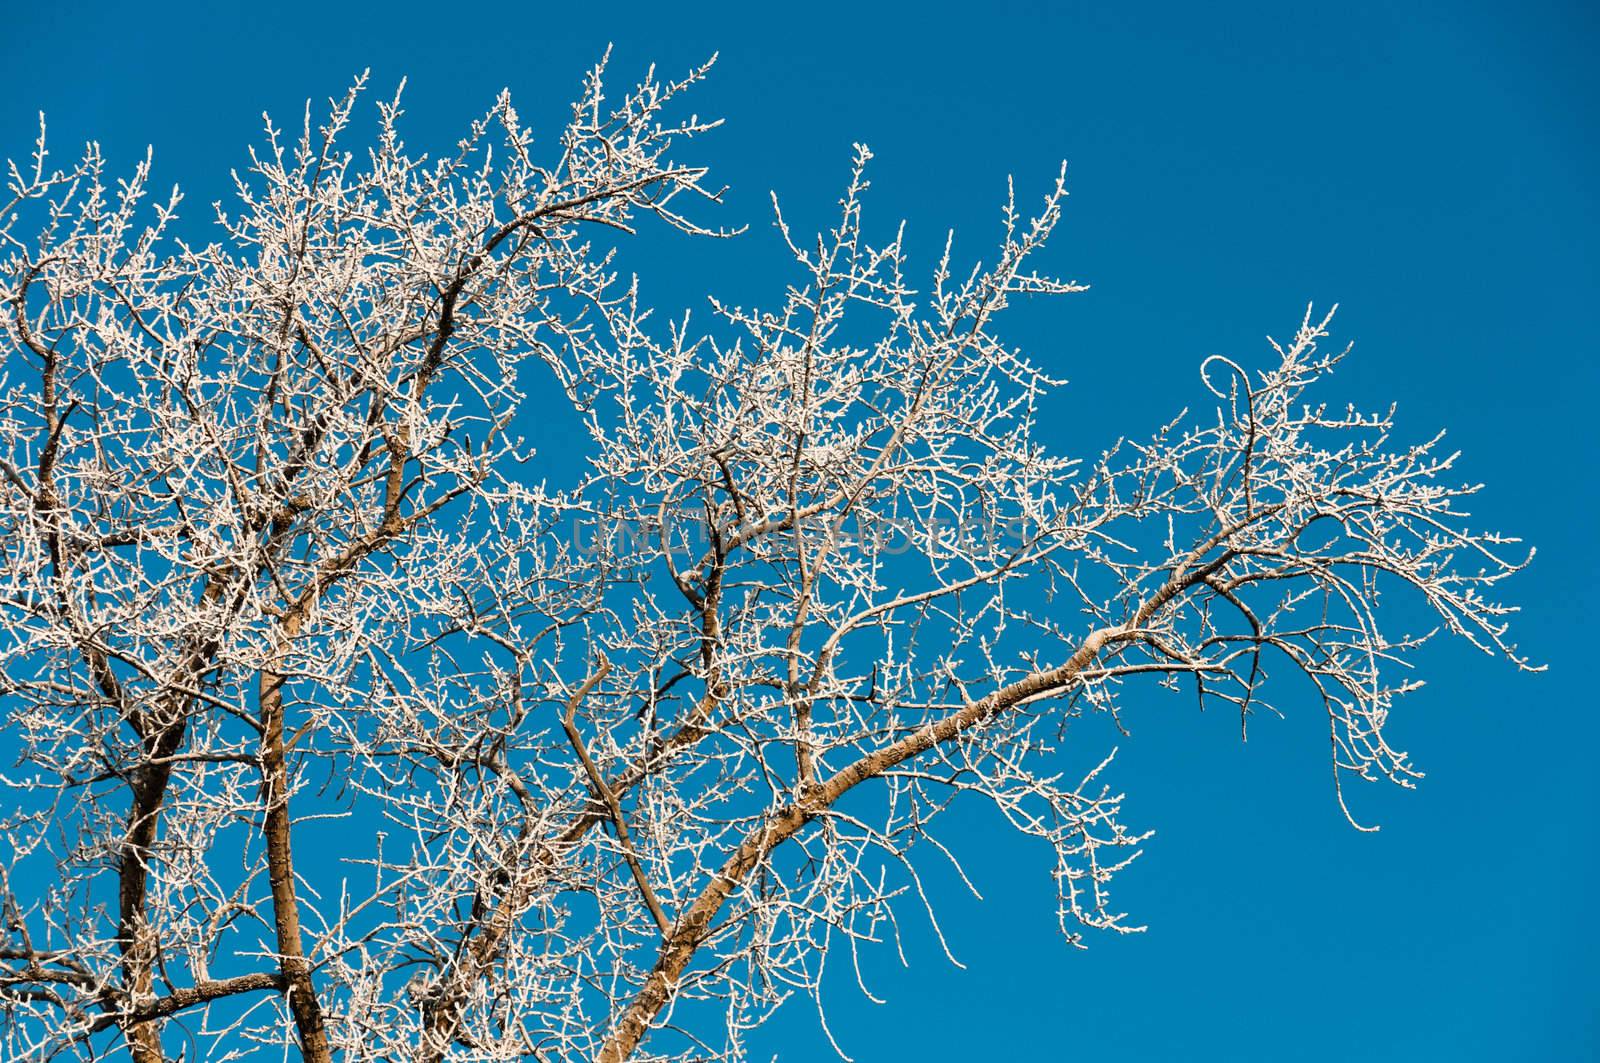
{"x": 1428, "y": 167}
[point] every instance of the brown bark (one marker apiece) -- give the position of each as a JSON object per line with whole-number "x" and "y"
{"x": 694, "y": 925}
{"x": 292, "y": 962}
{"x": 135, "y": 937}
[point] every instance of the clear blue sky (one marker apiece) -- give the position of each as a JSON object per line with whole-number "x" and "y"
{"x": 1431, "y": 167}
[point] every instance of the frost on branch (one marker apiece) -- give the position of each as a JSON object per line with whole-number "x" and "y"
{"x": 329, "y": 726}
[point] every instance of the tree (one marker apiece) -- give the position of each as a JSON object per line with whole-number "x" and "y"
{"x": 338, "y": 728}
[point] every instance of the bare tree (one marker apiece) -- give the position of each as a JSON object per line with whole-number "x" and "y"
{"x": 336, "y": 729}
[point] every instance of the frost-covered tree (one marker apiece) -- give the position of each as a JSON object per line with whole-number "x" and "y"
{"x": 338, "y": 723}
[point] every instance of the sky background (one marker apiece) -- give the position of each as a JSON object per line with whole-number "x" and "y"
{"x": 1428, "y": 167}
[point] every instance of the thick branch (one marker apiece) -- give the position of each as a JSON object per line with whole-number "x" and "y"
{"x": 694, "y": 925}
{"x": 603, "y": 794}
